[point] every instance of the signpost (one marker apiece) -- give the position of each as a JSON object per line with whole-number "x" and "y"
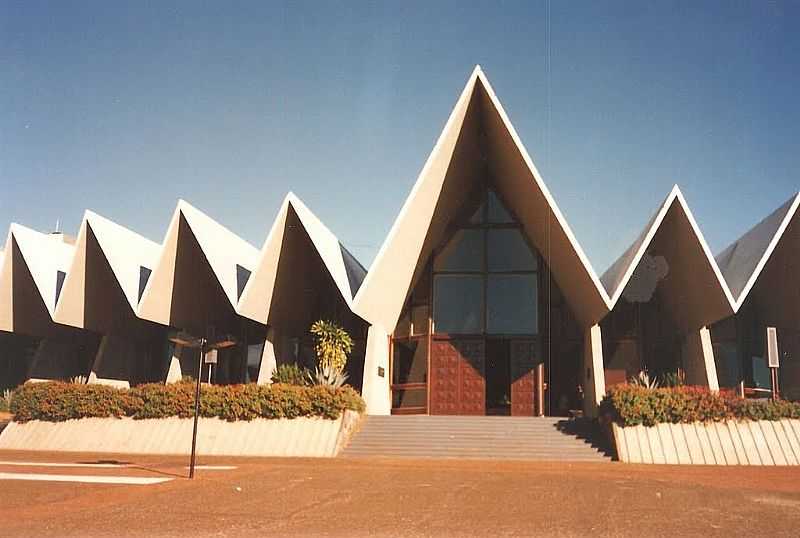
{"x": 772, "y": 360}
{"x": 202, "y": 344}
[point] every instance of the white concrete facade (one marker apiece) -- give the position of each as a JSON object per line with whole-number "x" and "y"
{"x": 48, "y": 284}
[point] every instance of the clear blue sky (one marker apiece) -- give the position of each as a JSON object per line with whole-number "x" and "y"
{"x": 125, "y": 108}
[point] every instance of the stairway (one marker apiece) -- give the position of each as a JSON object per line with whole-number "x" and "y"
{"x": 526, "y": 438}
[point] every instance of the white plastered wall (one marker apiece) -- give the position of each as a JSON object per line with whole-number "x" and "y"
{"x": 698, "y": 357}
{"x": 594, "y": 383}
{"x": 375, "y": 388}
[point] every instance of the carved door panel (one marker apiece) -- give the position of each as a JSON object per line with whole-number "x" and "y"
{"x": 457, "y": 377}
{"x": 444, "y": 378}
{"x": 524, "y": 354}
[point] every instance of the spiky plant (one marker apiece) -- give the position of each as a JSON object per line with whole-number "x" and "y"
{"x": 644, "y": 380}
{"x": 329, "y": 377}
{"x": 79, "y": 379}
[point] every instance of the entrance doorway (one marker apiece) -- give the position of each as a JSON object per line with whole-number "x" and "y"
{"x": 471, "y": 327}
{"x": 498, "y": 377}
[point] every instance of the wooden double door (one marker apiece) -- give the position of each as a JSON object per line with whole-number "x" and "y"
{"x": 483, "y": 375}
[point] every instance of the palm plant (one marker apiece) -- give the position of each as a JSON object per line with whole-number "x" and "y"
{"x": 332, "y": 344}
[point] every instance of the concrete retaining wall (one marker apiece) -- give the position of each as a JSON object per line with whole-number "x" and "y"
{"x": 300, "y": 437}
{"x": 715, "y": 443}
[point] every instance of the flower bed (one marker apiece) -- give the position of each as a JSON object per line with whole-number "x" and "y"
{"x": 630, "y": 405}
{"x": 58, "y": 401}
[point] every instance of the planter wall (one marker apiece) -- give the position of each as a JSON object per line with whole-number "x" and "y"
{"x": 714, "y": 443}
{"x": 300, "y": 437}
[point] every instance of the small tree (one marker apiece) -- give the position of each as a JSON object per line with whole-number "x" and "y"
{"x": 332, "y": 346}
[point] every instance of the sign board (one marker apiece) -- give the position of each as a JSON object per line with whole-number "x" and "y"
{"x": 211, "y": 357}
{"x": 772, "y": 347}
{"x": 381, "y": 371}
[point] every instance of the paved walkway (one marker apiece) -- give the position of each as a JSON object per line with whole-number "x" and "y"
{"x": 387, "y": 497}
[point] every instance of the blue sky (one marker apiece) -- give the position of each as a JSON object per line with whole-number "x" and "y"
{"x": 124, "y": 108}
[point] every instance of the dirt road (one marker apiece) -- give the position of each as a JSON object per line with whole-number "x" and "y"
{"x": 397, "y": 498}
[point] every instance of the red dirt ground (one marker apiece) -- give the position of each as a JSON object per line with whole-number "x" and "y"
{"x": 375, "y": 497}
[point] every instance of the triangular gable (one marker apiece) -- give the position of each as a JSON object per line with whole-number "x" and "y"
{"x": 344, "y": 269}
{"x": 126, "y": 253}
{"x": 330, "y": 250}
{"x": 710, "y": 299}
{"x": 223, "y": 249}
{"x": 225, "y": 252}
{"x": 743, "y": 261}
{"x": 380, "y": 298}
{"x": 47, "y": 258}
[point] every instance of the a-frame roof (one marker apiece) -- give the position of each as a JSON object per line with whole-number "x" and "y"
{"x": 346, "y": 272}
{"x": 46, "y": 257}
{"x": 477, "y": 126}
{"x": 700, "y": 295}
{"x": 129, "y": 255}
{"x": 743, "y": 261}
{"x": 230, "y": 258}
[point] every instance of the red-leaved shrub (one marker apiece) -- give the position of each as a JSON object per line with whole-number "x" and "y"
{"x": 632, "y": 405}
{"x": 57, "y": 401}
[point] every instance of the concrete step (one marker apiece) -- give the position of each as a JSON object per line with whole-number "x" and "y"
{"x": 464, "y": 428}
{"x": 539, "y": 443}
{"x": 537, "y": 456}
{"x": 488, "y": 420}
{"x": 471, "y": 444}
{"x": 415, "y": 436}
{"x": 442, "y": 433}
{"x": 521, "y": 454}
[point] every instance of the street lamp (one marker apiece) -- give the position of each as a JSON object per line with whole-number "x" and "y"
{"x": 187, "y": 340}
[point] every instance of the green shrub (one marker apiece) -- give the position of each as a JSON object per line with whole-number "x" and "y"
{"x": 58, "y": 401}
{"x": 291, "y": 374}
{"x": 631, "y": 405}
{"x": 673, "y": 379}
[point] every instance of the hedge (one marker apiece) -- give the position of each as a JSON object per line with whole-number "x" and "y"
{"x": 57, "y": 401}
{"x": 631, "y": 405}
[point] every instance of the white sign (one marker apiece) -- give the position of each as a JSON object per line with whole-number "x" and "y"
{"x": 772, "y": 347}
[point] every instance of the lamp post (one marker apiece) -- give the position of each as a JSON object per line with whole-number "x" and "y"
{"x": 202, "y": 347}
{"x": 202, "y": 344}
